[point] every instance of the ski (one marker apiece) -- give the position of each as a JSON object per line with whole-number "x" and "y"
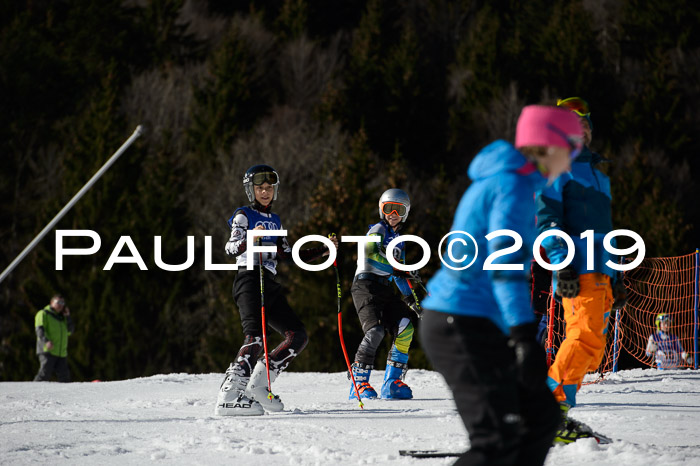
{"x": 574, "y": 430}
{"x": 601, "y": 439}
{"x": 428, "y": 453}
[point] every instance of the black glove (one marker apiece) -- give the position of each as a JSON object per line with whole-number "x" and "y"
{"x": 567, "y": 282}
{"x": 530, "y": 358}
{"x": 619, "y": 294}
{"x": 412, "y": 275}
{"x": 415, "y": 307}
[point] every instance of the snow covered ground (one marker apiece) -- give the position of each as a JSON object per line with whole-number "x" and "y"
{"x": 169, "y": 419}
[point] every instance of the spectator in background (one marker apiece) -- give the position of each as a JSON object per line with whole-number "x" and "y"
{"x": 53, "y": 326}
{"x": 665, "y": 347}
{"x": 478, "y": 327}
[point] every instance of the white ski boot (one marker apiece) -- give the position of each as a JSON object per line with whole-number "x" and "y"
{"x": 257, "y": 388}
{"x": 232, "y": 400}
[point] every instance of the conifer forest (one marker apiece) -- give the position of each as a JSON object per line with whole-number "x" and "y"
{"x": 345, "y": 99}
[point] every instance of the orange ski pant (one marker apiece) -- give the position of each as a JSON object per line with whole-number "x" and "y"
{"x": 586, "y": 318}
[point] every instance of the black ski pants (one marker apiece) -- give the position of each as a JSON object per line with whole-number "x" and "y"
{"x": 48, "y": 364}
{"x": 379, "y": 310}
{"x": 278, "y": 315}
{"x": 508, "y": 423}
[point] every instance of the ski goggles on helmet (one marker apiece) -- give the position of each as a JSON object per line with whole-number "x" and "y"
{"x": 265, "y": 177}
{"x": 576, "y": 105}
{"x": 394, "y": 207}
{"x": 663, "y": 318}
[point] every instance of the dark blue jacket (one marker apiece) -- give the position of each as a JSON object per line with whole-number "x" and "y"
{"x": 577, "y": 201}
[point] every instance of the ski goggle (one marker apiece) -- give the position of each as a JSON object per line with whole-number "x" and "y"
{"x": 663, "y": 318}
{"x": 394, "y": 207}
{"x": 576, "y": 105}
{"x": 265, "y": 177}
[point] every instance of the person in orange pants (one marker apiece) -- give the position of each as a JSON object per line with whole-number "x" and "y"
{"x": 576, "y": 202}
{"x": 586, "y": 318}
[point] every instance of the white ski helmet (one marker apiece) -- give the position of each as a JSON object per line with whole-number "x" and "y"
{"x": 395, "y": 196}
{"x": 257, "y": 175}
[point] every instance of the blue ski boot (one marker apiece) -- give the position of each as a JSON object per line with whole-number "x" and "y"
{"x": 361, "y": 373}
{"x": 393, "y": 387}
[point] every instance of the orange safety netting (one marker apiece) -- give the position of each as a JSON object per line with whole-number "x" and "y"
{"x": 665, "y": 285}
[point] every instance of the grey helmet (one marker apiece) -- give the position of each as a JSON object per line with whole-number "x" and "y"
{"x": 257, "y": 175}
{"x": 397, "y": 196}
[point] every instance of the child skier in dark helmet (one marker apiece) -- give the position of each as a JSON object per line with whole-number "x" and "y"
{"x": 244, "y": 391}
{"x": 380, "y": 308}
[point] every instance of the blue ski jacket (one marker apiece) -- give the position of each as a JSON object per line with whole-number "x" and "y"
{"x": 502, "y": 196}
{"x": 577, "y": 201}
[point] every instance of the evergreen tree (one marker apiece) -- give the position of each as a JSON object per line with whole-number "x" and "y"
{"x": 232, "y": 99}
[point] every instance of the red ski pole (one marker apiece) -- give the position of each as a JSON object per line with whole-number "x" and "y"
{"x": 340, "y": 332}
{"x": 264, "y": 324}
{"x": 550, "y": 328}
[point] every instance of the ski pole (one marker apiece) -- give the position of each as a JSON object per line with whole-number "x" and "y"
{"x": 264, "y": 324}
{"x": 424, "y": 288}
{"x": 415, "y": 296}
{"x": 550, "y": 328}
{"x": 340, "y": 331}
{"x": 137, "y": 132}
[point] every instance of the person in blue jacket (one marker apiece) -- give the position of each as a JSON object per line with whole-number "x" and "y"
{"x": 478, "y": 326}
{"x": 579, "y": 201}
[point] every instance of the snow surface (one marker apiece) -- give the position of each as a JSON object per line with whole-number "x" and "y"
{"x": 169, "y": 419}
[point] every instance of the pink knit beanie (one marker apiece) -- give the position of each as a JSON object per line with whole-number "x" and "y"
{"x": 540, "y": 125}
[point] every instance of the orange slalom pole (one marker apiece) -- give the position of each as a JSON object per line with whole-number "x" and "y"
{"x": 340, "y": 333}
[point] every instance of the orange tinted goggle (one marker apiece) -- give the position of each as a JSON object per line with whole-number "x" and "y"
{"x": 575, "y": 104}
{"x": 394, "y": 207}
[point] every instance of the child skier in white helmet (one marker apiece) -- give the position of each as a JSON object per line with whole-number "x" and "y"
{"x": 379, "y": 308}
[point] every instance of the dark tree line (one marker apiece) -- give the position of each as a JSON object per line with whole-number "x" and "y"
{"x": 345, "y": 99}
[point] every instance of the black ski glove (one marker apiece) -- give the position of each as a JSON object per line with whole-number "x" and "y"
{"x": 619, "y": 294}
{"x": 415, "y": 307}
{"x": 567, "y": 282}
{"x": 530, "y": 358}
{"x": 415, "y": 276}
{"x": 412, "y": 275}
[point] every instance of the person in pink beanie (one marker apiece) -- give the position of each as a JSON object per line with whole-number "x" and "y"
{"x": 478, "y": 327}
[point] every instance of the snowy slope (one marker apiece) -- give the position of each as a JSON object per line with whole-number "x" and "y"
{"x": 169, "y": 419}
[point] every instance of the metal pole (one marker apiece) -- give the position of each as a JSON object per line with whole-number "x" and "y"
{"x": 695, "y": 358}
{"x": 137, "y": 132}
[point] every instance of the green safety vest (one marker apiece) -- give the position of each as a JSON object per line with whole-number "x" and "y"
{"x": 55, "y": 330}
